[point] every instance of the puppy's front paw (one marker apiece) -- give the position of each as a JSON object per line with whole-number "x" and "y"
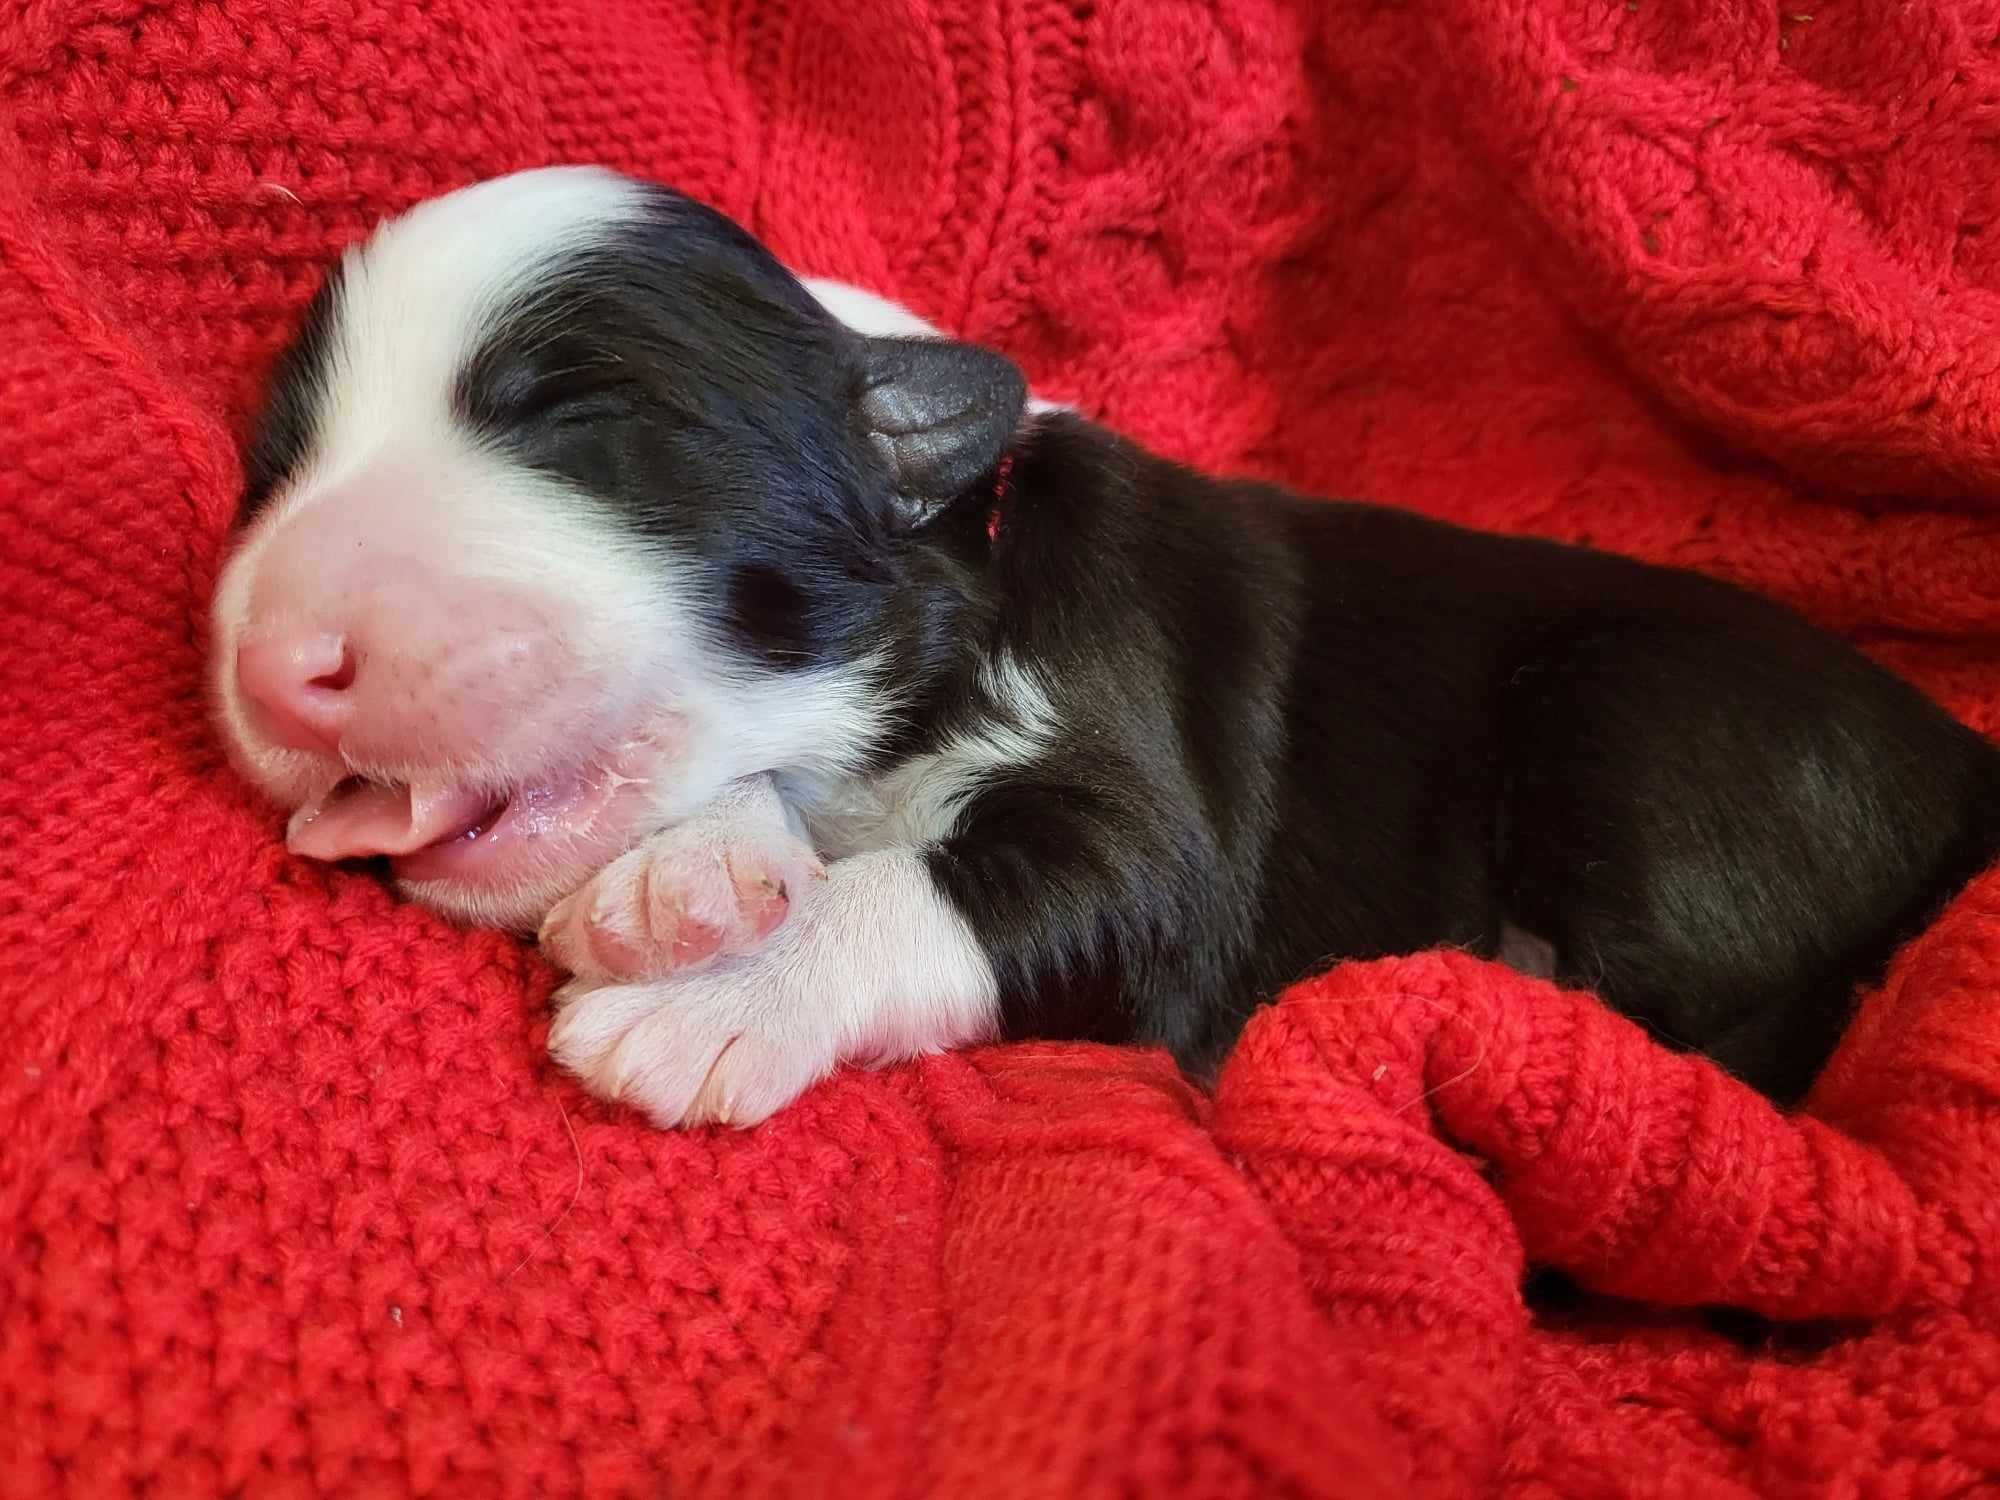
{"x": 727, "y": 1045}
{"x": 682, "y": 898}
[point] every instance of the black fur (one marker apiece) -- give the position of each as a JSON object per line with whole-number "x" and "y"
{"x": 1293, "y": 731}
{"x": 681, "y": 377}
{"x": 1310, "y": 729}
{"x": 684, "y": 378}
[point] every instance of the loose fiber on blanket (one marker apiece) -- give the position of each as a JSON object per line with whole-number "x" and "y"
{"x": 292, "y": 1202}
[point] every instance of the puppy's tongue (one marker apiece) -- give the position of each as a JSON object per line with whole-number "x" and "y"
{"x": 358, "y": 819}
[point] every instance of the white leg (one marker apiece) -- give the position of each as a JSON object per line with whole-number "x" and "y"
{"x": 877, "y": 966}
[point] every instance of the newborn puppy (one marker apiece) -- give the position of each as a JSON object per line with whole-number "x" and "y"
{"x": 822, "y": 698}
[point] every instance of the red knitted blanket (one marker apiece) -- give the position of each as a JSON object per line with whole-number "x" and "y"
{"x": 292, "y": 1201}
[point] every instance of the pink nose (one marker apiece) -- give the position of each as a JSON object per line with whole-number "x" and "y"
{"x": 297, "y": 684}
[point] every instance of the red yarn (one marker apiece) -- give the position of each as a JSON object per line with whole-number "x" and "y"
{"x": 996, "y": 508}
{"x": 292, "y": 1201}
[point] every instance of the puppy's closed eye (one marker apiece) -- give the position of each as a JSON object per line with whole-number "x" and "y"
{"x": 585, "y": 391}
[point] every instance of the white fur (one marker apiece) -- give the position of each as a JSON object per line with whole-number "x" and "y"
{"x": 872, "y": 965}
{"x": 918, "y": 802}
{"x": 868, "y": 314}
{"x": 877, "y": 967}
{"x": 419, "y": 293}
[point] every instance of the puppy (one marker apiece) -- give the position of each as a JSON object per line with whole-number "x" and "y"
{"x": 823, "y": 698}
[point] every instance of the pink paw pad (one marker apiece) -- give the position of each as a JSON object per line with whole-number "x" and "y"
{"x": 679, "y": 901}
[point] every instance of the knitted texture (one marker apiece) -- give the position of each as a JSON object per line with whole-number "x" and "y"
{"x": 293, "y": 1203}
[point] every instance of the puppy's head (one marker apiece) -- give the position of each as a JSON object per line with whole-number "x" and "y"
{"x": 570, "y": 505}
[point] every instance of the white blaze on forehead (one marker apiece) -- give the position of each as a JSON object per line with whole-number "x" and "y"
{"x": 409, "y": 307}
{"x": 416, "y": 300}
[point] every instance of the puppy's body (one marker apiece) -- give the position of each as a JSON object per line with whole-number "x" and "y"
{"x": 928, "y": 713}
{"x": 1292, "y": 730}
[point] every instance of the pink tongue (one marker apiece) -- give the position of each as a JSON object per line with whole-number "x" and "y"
{"x": 358, "y": 819}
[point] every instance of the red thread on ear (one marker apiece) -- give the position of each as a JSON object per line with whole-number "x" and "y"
{"x": 995, "y": 513}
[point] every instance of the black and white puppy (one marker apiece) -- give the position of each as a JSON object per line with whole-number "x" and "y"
{"x": 822, "y": 698}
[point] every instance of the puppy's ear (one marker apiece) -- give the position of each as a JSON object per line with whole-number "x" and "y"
{"x": 940, "y": 414}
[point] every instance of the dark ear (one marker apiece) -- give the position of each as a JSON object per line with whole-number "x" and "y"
{"x": 940, "y": 414}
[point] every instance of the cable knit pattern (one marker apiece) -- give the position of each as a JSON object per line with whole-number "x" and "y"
{"x": 292, "y": 1202}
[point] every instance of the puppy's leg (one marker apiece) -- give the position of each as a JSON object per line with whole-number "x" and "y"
{"x": 1043, "y": 885}
{"x": 718, "y": 884}
{"x": 878, "y": 965}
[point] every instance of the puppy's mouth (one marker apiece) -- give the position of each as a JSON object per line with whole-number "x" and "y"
{"x": 443, "y": 830}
